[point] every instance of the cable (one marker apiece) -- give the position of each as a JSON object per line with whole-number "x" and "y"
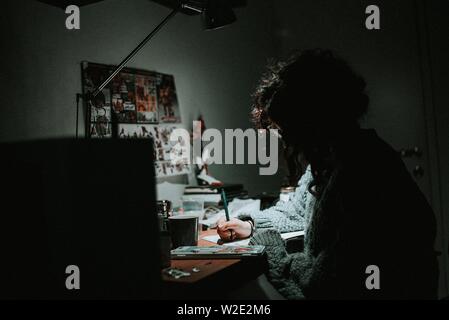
{"x": 78, "y": 96}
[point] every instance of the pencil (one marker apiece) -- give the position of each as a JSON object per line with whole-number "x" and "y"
{"x": 225, "y": 204}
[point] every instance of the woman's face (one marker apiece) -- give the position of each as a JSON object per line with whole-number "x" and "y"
{"x": 302, "y": 135}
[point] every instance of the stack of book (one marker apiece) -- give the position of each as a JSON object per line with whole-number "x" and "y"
{"x": 211, "y": 195}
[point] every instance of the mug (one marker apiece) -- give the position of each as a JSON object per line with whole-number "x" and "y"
{"x": 184, "y": 230}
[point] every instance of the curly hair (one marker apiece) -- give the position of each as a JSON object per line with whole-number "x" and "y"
{"x": 313, "y": 93}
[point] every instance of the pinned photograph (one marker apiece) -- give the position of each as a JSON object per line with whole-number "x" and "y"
{"x": 117, "y": 102}
{"x": 146, "y": 99}
{"x": 168, "y": 169}
{"x": 163, "y": 133}
{"x": 124, "y": 98}
{"x": 100, "y": 110}
{"x": 100, "y": 130}
{"x": 100, "y": 106}
{"x": 160, "y": 154}
{"x": 94, "y": 75}
{"x": 161, "y": 170}
{"x": 132, "y": 131}
{"x": 168, "y": 105}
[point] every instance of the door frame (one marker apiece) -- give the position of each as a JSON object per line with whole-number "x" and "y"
{"x": 432, "y": 138}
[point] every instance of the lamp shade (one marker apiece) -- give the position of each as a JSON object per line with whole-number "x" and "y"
{"x": 217, "y": 14}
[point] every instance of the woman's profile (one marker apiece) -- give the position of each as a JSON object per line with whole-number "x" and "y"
{"x": 369, "y": 213}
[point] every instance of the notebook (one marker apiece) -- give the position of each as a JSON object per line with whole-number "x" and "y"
{"x": 217, "y": 252}
{"x": 216, "y": 238}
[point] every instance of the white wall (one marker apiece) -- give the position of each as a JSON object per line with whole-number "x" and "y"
{"x": 215, "y": 72}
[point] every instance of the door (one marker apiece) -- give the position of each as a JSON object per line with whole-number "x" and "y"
{"x": 433, "y": 32}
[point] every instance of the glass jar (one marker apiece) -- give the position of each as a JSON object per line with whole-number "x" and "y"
{"x": 164, "y": 212}
{"x": 286, "y": 193}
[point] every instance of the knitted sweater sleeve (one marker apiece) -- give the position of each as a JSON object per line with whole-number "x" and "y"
{"x": 332, "y": 232}
{"x": 287, "y": 216}
{"x": 293, "y": 275}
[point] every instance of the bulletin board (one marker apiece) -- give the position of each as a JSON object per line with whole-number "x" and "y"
{"x": 143, "y": 104}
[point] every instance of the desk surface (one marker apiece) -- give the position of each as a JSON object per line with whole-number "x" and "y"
{"x": 214, "y": 273}
{"x": 206, "y": 267}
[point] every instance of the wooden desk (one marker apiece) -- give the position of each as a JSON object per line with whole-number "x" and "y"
{"x": 216, "y": 278}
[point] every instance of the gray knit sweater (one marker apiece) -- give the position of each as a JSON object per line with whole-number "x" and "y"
{"x": 293, "y": 215}
{"x": 367, "y": 214}
{"x": 287, "y": 216}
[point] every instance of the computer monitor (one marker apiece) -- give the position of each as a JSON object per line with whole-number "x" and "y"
{"x": 84, "y": 203}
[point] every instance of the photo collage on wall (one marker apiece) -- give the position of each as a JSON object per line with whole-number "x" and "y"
{"x": 144, "y": 105}
{"x": 100, "y": 107}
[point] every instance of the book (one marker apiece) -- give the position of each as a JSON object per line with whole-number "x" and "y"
{"x": 236, "y": 207}
{"x": 213, "y": 198}
{"x": 285, "y": 236}
{"x": 228, "y": 188}
{"x": 217, "y": 252}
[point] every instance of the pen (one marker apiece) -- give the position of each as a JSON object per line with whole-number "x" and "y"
{"x": 225, "y": 204}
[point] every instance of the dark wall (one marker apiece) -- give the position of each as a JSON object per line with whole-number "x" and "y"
{"x": 215, "y": 72}
{"x": 406, "y": 69}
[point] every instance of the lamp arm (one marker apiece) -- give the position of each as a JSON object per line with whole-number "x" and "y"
{"x": 135, "y": 51}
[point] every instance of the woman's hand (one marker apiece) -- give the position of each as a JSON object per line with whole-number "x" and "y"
{"x": 233, "y": 229}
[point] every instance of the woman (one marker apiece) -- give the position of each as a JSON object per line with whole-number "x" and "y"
{"x": 285, "y": 216}
{"x": 368, "y": 210}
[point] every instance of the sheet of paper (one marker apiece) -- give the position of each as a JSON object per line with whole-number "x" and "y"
{"x": 285, "y": 236}
{"x": 214, "y": 239}
{"x": 236, "y": 208}
{"x": 289, "y": 235}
